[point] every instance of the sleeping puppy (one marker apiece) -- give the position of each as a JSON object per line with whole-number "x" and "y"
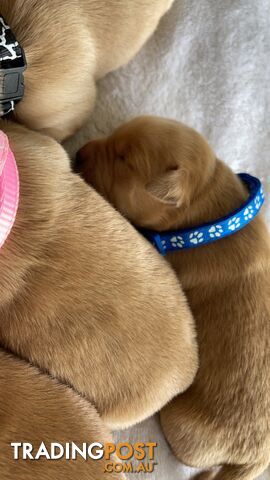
{"x": 163, "y": 175}
{"x": 69, "y": 46}
{"x": 34, "y": 408}
{"x": 78, "y": 297}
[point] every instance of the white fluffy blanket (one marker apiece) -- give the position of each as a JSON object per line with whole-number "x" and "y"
{"x": 208, "y": 65}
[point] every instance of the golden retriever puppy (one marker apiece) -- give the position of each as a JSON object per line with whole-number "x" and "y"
{"x": 163, "y": 175}
{"x": 34, "y": 409}
{"x": 85, "y": 297}
{"x": 68, "y": 47}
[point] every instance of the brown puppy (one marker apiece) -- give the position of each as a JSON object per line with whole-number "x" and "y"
{"x": 162, "y": 174}
{"x": 34, "y": 409}
{"x": 78, "y": 297}
{"x": 68, "y": 46}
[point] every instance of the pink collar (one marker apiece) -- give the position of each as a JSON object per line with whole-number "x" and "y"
{"x": 9, "y": 189}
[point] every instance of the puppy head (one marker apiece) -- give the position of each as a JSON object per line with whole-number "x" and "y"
{"x": 151, "y": 169}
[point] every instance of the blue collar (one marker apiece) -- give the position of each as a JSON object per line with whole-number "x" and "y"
{"x": 207, "y": 233}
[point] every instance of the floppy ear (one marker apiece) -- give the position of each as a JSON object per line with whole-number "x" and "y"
{"x": 167, "y": 188}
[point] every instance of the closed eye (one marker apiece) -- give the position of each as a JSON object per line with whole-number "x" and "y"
{"x": 123, "y": 160}
{"x": 172, "y": 168}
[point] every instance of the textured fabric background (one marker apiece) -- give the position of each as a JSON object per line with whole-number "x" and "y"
{"x": 208, "y": 65}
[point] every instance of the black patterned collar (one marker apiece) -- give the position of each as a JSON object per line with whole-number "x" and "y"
{"x": 12, "y": 66}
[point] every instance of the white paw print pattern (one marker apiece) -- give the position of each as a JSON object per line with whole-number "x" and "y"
{"x": 164, "y": 244}
{"x": 196, "y": 237}
{"x": 216, "y": 231}
{"x": 178, "y": 242}
{"x": 234, "y": 223}
{"x": 249, "y": 213}
{"x": 258, "y": 202}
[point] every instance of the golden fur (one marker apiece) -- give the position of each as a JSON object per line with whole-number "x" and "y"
{"x": 35, "y": 408}
{"x": 84, "y": 297}
{"x": 68, "y": 46}
{"x": 162, "y": 174}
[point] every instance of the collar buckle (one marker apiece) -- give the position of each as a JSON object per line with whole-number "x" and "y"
{"x": 11, "y": 88}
